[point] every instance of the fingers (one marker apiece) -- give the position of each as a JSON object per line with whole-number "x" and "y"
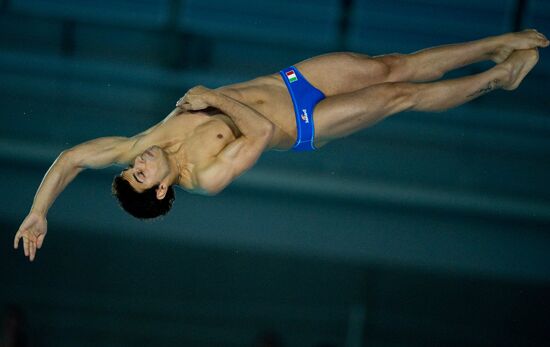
{"x": 194, "y": 98}
{"x": 16, "y": 240}
{"x": 29, "y": 246}
{"x": 26, "y": 245}
{"x": 192, "y": 103}
{"x": 182, "y": 103}
{"x": 32, "y": 250}
{"x": 39, "y": 241}
{"x": 185, "y": 106}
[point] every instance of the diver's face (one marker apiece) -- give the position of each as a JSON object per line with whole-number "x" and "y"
{"x": 148, "y": 170}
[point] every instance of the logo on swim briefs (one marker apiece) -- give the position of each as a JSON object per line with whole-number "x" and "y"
{"x": 304, "y": 116}
{"x": 291, "y": 76}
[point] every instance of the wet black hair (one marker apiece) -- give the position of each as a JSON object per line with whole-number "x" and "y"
{"x": 144, "y": 205}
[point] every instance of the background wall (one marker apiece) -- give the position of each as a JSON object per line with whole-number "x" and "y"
{"x": 425, "y": 230}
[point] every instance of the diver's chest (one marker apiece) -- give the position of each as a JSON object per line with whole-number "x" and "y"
{"x": 210, "y": 138}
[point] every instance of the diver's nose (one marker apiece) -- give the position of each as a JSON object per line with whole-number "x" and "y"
{"x": 139, "y": 161}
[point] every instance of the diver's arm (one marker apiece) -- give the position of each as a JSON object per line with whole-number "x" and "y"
{"x": 249, "y": 121}
{"x": 235, "y": 159}
{"x": 93, "y": 154}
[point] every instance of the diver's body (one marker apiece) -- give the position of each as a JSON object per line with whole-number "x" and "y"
{"x": 215, "y": 135}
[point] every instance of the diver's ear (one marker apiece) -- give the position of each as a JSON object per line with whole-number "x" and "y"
{"x": 162, "y": 190}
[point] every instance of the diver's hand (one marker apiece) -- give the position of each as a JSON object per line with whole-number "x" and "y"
{"x": 195, "y": 99}
{"x": 32, "y": 230}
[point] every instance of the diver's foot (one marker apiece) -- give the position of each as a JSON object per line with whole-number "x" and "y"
{"x": 518, "y": 65}
{"x": 510, "y": 42}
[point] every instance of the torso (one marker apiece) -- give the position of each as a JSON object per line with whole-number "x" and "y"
{"x": 268, "y": 96}
{"x": 203, "y": 135}
{"x": 196, "y": 138}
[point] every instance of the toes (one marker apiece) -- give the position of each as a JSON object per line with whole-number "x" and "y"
{"x": 542, "y": 40}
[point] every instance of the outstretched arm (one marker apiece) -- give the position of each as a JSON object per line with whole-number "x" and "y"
{"x": 93, "y": 154}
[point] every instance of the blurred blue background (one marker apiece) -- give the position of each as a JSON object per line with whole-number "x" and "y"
{"x": 426, "y": 230}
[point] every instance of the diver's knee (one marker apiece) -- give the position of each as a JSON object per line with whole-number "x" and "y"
{"x": 394, "y": 65}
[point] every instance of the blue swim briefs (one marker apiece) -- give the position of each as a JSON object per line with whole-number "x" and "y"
{"x": 304, "y": 98}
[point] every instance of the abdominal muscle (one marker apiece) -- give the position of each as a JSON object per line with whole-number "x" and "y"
{"x": 268, "y": 96}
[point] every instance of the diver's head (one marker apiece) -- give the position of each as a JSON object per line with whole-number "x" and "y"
{"x": 144, "y": 189}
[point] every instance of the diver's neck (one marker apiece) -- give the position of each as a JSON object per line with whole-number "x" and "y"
{"x": 181, "y": 169}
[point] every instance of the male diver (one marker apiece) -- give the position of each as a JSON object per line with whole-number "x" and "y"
{"x": 213, "y": 136}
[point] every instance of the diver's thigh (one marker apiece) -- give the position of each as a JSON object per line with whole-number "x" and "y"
{"x": 340, "y": 73}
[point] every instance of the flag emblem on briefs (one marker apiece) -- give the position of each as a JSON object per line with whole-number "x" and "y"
{"x": 291, "y": 76}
